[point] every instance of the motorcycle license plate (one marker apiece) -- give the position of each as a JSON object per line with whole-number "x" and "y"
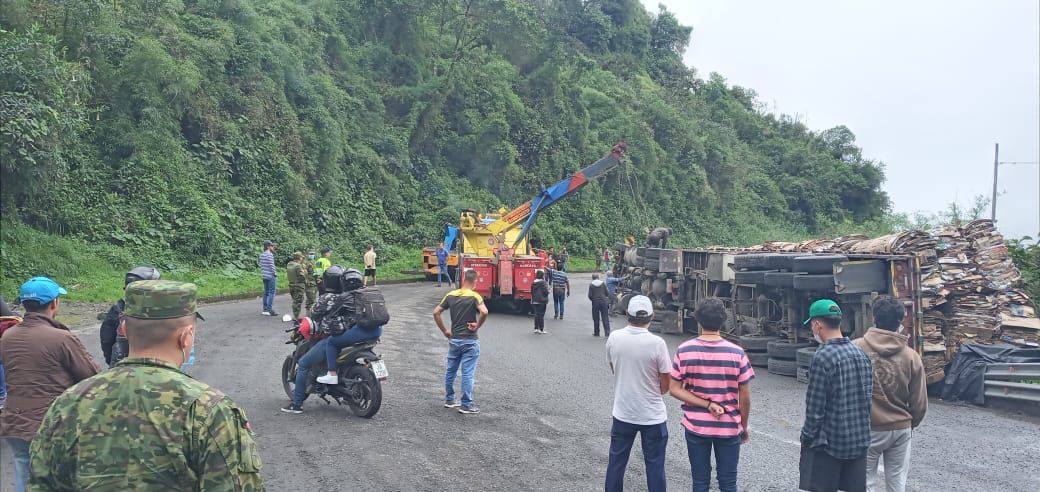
{"x": 379, "y": 368}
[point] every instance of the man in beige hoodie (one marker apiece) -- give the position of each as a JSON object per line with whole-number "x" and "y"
{"x": 900, "y": 397}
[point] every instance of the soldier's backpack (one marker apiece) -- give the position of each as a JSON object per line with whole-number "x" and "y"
{"x": 370, "y": 308}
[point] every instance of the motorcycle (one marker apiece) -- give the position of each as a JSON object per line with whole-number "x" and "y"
{"x": 360, "y": 370}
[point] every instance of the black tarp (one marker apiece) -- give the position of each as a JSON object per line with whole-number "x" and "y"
{"x": 966, "y": 377}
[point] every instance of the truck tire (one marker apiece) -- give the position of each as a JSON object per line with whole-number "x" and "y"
{"x": 785, "y": 349}
{"x": 814, "y": 282}
{"x": 817, "y": 264}
{"x": 802, "y": 374}
{"x": 781, "y": 279}
{"x": 756, "y": 344}
{"x": 804, "y": 356}
{"x": 782, "y": 367}
{"x": 751, "y": 278}
{"x": 758, "y": 359}
{"x": 763, "y": 261}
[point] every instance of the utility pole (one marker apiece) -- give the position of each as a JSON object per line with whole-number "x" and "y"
{"x": 996, "y": 164}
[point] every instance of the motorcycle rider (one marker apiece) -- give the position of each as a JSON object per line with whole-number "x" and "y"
{"x": 333, "y": 312}
{"x": 113, "y": 339}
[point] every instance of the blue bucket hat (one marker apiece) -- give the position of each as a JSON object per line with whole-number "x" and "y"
{"x": 40, "y": 289}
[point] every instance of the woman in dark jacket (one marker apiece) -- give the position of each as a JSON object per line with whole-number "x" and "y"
{"x": 539, "y": 300}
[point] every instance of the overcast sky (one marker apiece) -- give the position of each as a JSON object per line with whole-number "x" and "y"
{"x": 927, "y": 86}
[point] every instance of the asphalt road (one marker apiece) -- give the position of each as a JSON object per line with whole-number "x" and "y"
{"x": 545, "y": 414}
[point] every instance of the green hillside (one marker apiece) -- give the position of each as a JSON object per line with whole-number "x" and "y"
{"x": 181, "y": 133}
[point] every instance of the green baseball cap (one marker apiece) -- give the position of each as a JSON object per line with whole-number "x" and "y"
{"x": 161, "y": 299}
{"x": 823, "y": 308}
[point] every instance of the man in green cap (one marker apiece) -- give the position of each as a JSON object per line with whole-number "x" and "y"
{"x": 297, "y": 276}
{"x": 310, "y": 280}
{"x": 176, "y": 433}
{"x": 836, "y": 433}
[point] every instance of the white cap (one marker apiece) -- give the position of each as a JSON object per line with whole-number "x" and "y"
{"x": 640, "y": 306}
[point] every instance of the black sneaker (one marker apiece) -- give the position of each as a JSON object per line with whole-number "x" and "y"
{"x": 273, "y": 313}
{"x": 469, "y": 409}
{"x": 292, "y": 408}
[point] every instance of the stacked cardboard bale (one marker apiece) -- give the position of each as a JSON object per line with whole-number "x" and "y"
{"x": 1018, "y": 320}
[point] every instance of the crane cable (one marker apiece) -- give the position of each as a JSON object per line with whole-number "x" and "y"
{"x": 641, "y": 206}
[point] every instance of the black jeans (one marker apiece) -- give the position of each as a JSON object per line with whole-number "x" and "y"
{"x": 600, "y": 311}
{"x": 539, "y": 316}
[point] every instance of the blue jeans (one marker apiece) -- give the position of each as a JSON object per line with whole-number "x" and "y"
{"x": 354, "y": 335}
{"x": 727, "y": 455}
{"x": 461, "y": 352}
{"x": 442, "y": 269}
{"x": 558, "y": 304}
{"x": 303, "y": 370}
{"x": 655, "y": 442}
{"x": 268, "y": 299}
{"x": 20, "y": 459}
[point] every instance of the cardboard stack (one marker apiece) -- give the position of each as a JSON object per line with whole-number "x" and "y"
{"x": 991, "y": 255}
{"x": 934, "y": 345}
{"x": 1018, "y": 320}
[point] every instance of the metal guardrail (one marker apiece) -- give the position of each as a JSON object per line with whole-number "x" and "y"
{"x": 1002, "y": 381}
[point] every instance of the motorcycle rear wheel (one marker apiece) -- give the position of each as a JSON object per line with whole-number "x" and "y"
{"x": 288, "y": 376}
{"x": 364, "y": 395}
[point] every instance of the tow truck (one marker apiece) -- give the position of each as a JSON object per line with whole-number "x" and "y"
{"x": 496, "y": 245}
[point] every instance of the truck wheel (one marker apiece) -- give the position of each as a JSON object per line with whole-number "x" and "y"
{"x": 817, "y": 264}
{"x": 782, "y": 367}
{"x": 804, "y": 356}
{"x": 802, "y": 375}
{"x": 758, "y": 359}
{"x": 751, "y": 278}
{"x": 784, "y": 349}
{"x": 756, "y": 344}
{"x": 814, "y": 282}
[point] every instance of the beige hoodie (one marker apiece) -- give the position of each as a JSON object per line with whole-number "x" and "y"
{"x": 900, "y": 393}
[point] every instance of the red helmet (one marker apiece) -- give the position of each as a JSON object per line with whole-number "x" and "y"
{"x": 306, "y": 328}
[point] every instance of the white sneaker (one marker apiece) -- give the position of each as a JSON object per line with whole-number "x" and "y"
{"x": 265, "y": 313}
{"x": 328, "y": 379}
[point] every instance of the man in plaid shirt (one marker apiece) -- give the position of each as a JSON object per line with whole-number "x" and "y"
{"x": 836, "y": 434}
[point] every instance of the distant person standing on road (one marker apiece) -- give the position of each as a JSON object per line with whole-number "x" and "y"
{"x": 561, "y": 288}
{"x": 900, "y": 394}
{"x": 42, "y": 359}
{"x": 836, "y": 433}
{"x": 297, "y": 276}
{"x": 442, "y": 265}
{"x": 310, "y": 281}
{"x": 711, "y": 377}
{"x": 468, "y": 314}
{"x": 599, "y": 261}
{"x": 320, "y": 265}
{"x": 370, "y": 265}
{"x": 269, "y": 274}
{"x": 600, "y": 305}
{"x": 562, "y": 263}
{"x": 145, "y": 425}
{"x": 539, "y": 300}
{"x": 641, "y": 366}
{"x": 606, "y": 260}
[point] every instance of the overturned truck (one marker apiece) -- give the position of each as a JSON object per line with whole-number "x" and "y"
{"x": 768, "y": 294}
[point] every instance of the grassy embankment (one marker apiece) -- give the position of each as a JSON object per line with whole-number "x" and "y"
{"x": 94, "y": 272}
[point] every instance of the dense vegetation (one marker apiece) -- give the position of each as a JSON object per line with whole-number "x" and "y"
{"x": 185, "y": 131}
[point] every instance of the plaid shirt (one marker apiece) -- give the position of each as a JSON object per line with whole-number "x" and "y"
{"x": 837, "y": 403}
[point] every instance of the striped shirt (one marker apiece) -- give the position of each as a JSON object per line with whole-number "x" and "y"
{"x": 559, "y": 280}
{"x": 712, "y": 370}
{"x": 266, "y": 262}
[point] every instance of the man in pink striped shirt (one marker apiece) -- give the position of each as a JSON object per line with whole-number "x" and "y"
{"x": 711, "y": 377}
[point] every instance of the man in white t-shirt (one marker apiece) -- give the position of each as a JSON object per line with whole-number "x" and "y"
{"x": 641, "y": 366}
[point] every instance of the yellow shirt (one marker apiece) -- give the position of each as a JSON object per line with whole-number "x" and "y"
{"x": 370, "y": 259}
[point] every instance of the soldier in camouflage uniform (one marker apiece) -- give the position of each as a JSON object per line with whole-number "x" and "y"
{"x": 297, "y": 276}
{"x": 174, "y": 433}
{"x": 310, "y": 280}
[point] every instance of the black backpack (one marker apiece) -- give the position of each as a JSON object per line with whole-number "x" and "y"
{"x": 370, "y": 308}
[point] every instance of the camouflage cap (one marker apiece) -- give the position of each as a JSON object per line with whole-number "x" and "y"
{"x": 160, "y": 299}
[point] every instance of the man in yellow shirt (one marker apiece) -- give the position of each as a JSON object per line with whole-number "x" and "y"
{"x": 370, "y": 265}
{"x": 320, "y": 265}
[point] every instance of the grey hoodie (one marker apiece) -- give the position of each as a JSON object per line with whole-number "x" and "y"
{"x": 900, "y": 393}
{"x": 597, "y": 290}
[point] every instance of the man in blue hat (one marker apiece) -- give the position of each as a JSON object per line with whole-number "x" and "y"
{"x": 836, "y": 434}
{"x": 42, "y": 359}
